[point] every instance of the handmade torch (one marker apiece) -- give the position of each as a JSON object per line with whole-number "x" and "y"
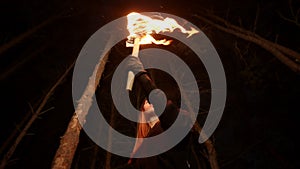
{"x": 141, "y": 27}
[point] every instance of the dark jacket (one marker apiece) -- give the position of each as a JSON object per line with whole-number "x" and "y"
{"x": 178, "y": 156}
{"x": 175, "y": 158}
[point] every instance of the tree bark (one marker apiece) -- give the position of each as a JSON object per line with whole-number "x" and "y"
{"x": 69, "y": 142}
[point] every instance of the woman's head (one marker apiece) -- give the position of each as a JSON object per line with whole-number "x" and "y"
{"x": 147, "y": 108}
{"x": 148, "y": 111}
{"x": 146, "y": 118}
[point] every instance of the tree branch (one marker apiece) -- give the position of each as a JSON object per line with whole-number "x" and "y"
{"x": 259, "y": 41}
{"x": 212, "y": 154}
{"x": 33, "y": 118}
{"x": 283, "y": 49}
{"x": 294, "y": 21}
{"x": 26, "y": 34}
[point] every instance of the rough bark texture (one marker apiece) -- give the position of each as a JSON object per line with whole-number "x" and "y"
{"x": 68, "y": 143}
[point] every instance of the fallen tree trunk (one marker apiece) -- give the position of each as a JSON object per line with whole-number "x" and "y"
{"x": 69, "y": 141}
{"x": 35, "y": 115}
{"x": 263, "y": 43}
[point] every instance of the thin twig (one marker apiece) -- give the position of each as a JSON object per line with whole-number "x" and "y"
{"x": 17, "y": 129}
{"x": 45, "y": 111}
{"x": 195, "y": 157}
{"x": 294, "y": 21}
{"x": 256, "y": 18}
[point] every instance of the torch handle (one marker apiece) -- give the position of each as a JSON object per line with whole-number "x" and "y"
{"x": 136, "y": 47}
{"x": 135, "y": 52}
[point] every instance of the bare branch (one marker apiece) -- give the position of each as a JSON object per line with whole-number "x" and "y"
{"x": 267, "y": 45}
{"x": 283, "y": 49}
{"x": 291, "y": 7}
{"x": 294, "y": 20}
{"x": 33, "y": 118}
{"x": 239, "y": 53}
{"x": 24, "y": 35}
{"x": 17, "y": 129}
{"x": 19, "y": 63}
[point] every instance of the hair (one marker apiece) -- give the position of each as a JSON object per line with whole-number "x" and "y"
{"x": 143, "y": 127}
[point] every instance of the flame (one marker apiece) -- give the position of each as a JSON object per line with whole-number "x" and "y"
{"x": 143, "y": 26}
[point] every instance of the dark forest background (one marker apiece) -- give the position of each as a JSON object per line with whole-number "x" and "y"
{"x": 39, "y": 40}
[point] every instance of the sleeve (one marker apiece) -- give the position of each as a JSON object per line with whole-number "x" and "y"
{"x": 134, "y": 64}
{"x": 171, "y": 111}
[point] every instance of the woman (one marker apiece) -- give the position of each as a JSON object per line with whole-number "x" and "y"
{"x": 152, "y": 125}
{"x": 147, "y": 120}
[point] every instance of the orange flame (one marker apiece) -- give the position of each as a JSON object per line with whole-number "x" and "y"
{"x": 142, "y": 26}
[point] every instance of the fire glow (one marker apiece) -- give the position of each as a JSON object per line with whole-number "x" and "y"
{"x": 141, "y": 26}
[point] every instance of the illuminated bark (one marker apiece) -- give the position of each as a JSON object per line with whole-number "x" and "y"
{"x": 69, "y": 141}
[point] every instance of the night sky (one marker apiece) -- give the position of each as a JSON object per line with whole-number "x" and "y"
{"x": 39, "y": 40}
